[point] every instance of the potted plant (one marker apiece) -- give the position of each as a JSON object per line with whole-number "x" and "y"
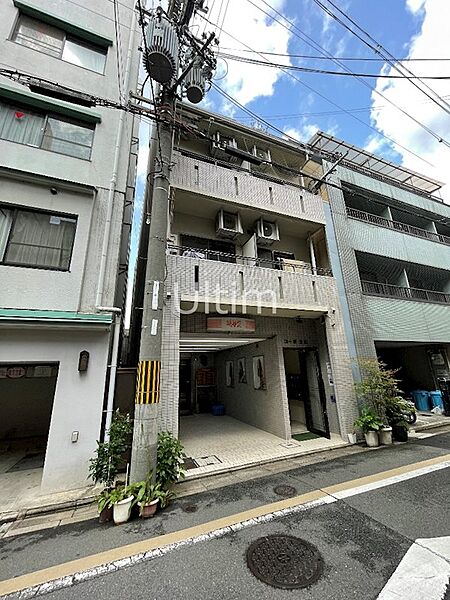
{"x": 169, "y": 460}
{"x": 121, "y": 499}
{"x": 369, "y": 423}
{"x": 104, "y": 466}
{"x": 352, "y": 437}
{"x": 385, "y": 435}
{"x": 147, "y": 495}
{"x": 105, "y": 509}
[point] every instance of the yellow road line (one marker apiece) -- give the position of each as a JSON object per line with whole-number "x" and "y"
{"x": 93, "y": 561}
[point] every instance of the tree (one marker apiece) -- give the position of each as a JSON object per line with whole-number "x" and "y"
{"x": 378, "y": 388}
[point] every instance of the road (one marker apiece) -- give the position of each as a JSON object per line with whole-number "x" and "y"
{"x": 363, "y": 534}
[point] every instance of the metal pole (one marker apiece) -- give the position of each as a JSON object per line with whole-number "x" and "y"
{"x": 145, "y": 435}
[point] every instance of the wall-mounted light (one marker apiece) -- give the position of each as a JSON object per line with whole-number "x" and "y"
{"x": 83, "y": 361}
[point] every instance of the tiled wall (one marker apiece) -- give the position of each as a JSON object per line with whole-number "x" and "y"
{"x": 266, "y": 409}
{"x": 241, "y": 187}
{"x": 284, "y": 332}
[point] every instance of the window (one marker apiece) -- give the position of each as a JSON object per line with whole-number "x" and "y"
{"x": 36, "y": 239}
{"x": 55, "y": 42}
{"x": 45, "y": 131}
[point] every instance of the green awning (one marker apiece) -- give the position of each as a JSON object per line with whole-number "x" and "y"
{"x": 27, "y": 8}
{"x": 28, "y": 98}
{"x": 60, "y": 316}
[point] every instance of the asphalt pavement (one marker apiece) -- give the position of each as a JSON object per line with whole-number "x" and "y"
{"x": 361, "y": 538}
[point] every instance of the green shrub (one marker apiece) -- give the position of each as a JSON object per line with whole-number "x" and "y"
{"x": 368, "y": 421}
{"x": 108, "y": 455}
{"x": 169, "y": 460}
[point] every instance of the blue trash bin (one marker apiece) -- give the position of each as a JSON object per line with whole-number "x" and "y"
{"x": 436, "y": 399}
{"x": 218, "y": 410}
{"x": 421, "y": 399}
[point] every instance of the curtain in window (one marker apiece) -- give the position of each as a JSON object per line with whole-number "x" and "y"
{"x": 84, "y": 56}
{"x": 5, "y": 226}
{"x": 18, "y": 125}
{"x": 67, "y": 138}
{"x": 41, "y": 240}
{"x": 39, "y": 36}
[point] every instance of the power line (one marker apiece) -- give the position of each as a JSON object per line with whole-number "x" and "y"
{"x": 344, "y": 58}
{"x": 436, "y": 136}
{"x": 382, "y": 51}
{"x": 330, "y": 113}
{"x": 254, "y": 61}
{"x": 309, "y": 87}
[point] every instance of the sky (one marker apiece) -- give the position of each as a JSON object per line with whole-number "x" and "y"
{"x": 359, "y": 111}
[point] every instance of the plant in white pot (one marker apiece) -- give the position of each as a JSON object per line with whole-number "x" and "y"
{"x": 121, "y": 499}
{"x": 370, "y": 424}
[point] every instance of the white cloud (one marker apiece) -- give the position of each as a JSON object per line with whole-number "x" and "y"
{"x": 415, "y": 6}
{"x": 245, "y": 82}
{"x": 431, "y": 42}
{"x": 306, "y": 130}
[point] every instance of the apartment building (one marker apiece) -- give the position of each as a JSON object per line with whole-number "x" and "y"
{"x": 391, "y": 259}
{"x": 252, "y": 318}
{"x": 66, "y": 196}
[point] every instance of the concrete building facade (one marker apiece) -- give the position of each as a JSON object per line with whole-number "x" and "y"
{"x": 252, "y": 318}
{"x": 66, "y": 198}
{"x": 391, "y": 258}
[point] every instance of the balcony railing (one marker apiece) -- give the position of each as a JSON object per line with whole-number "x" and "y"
{"x": 403, "y": 227}
{"x": 293, "y": 266}
{"x": 388, "y": 290}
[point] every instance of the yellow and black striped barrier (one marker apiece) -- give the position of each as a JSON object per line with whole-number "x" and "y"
{"x": 147, "y": 386}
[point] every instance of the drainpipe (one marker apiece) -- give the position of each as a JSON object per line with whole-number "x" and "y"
{"x": 113, "y": 181}
{"x": 112, "y": 366}
{"x": 106, "y": 240}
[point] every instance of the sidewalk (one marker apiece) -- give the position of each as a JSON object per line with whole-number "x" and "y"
{"x": 50, "y": 512}
{"x": 242, "y": 495}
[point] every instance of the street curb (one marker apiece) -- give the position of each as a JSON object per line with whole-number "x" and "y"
{"x": 44, "y": 510}
{"x": 13, "y": 516}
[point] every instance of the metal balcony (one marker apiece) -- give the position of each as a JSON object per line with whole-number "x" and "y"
{"x": 292, "y": 266}
{"x": 388, "y": 290}
{"x": 397, "y": 226}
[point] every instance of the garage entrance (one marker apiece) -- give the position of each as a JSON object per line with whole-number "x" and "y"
{"x": 420, "y": 365}
{"x": 27, "y": 392}
{"x": 306, "y": 392}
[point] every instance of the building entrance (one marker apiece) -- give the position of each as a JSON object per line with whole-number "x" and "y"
{"x": 306, "y": 392}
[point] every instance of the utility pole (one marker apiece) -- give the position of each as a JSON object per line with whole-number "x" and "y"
{"x": 145, "y": 434}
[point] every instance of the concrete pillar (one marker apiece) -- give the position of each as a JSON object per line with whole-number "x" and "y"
{"x": 386, "y": 213}
{"x": 312, "y": 255}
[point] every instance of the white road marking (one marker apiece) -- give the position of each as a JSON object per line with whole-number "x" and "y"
{"x": 423, "y": 573}
{"x": 368, "y": 487}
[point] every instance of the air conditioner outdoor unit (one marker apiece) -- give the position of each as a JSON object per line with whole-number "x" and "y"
{"x": 266, "y": 232}
{"x": 219, "y": 144}
{"x": 228, "y": 225}
{"x": 264, "y": 156}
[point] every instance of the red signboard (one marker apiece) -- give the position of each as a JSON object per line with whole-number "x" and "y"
{"x": 230, "y": 324}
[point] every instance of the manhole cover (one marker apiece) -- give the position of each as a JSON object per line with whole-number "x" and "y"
{"x": 190, "y": 508}
{"x": 285, "y": 490}
{"x": 284, "y": 561}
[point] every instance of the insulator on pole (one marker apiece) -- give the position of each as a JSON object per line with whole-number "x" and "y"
{"x": 161, "y": 55}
